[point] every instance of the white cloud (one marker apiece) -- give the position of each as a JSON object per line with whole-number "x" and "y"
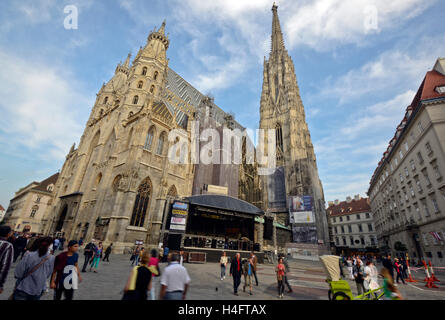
{"x": 394, "y": 70}
{"x": 378, "y": 117}
{"x": 40, "y": 107}
{"x": 324, "y": 24}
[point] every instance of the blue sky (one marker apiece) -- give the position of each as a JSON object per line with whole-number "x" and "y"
{"x": 355, "y": 82}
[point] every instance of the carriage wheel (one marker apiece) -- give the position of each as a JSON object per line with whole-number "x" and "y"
{"x": 341, "y": 296}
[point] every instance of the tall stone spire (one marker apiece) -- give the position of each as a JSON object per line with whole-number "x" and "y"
{"x": 277, "y": 35}
{"x": 282, "y": 110}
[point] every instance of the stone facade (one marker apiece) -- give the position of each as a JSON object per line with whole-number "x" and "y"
{"x": 31, "y": 206}
{"x": 115, "y": 185}
{"x": 282, "y": 110}
{"x": 407, "y": 190}
{"x": 352, "y": 225}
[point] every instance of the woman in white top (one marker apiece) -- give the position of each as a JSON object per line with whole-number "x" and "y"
{"x": 371, "y": 276}
{"x": 223, "y": 262}
{"x": 349, "y": 264}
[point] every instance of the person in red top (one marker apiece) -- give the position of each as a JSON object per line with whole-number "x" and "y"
{"x": 398, "y": 266}
{"x": 280, "y": 270}
{"x": 235, "y": 272}
{"x": 154, "y": 261}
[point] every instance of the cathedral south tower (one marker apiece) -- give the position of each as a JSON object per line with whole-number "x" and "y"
{"x": 296, "y": 175}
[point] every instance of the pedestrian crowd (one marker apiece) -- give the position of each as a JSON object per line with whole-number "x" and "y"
{"x": 41, "y": 267}
{"x": 366, "y": 275}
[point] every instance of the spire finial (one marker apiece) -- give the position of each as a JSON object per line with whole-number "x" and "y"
{"x": 162, "y": 28}
{"x": 277, "y": 35}
{"x": 127, "y": 62}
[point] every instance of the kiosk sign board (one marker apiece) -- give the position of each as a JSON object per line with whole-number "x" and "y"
{"x": 179, "y": 217}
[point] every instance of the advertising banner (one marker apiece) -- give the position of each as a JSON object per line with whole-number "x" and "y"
{"x": 179, "y": 217}
{"x": 302, "y": 219}
{"x": 304, "y": 234}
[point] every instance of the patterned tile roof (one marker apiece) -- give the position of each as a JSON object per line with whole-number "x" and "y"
{"x": 346, "y": 208}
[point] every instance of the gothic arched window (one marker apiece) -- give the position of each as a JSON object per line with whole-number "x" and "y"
{"x": 149, "y": 140}
{"x": 172, "y": 192}
{"x": 135, "y": 99}
{"x": 144, "y": 71}
{"x": 161, "y": 142}
{"x": 116, "y": 183}
{"x": 279, "y": 141}
{"x": 105, "y": 100}
{"x": 155, "y": 77}
{"x": 140, "y": 84}
{"x": 141, "y": 204}
{"x": 98, "y": 179}
{"x": 152, "y": 89}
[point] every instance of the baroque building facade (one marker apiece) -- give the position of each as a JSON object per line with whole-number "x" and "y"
{"x": 407, "y": 189}
{"x": 30, "y": 207}
{"x": 352, "y": 226}
{"x": 116, "y": 184}
{"x": 282, "y": 110}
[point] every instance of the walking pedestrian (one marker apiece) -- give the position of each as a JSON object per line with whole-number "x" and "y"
{"x": 248, "y": 274}
{"x": 32, "y": 272}
{"x": 235, "y": 272}
{"x": 286, "y": 271}
{"x": 398, "y": 268}
{"x": 6, "y": 254}
{"x": 359, "y": 277}
{"x": 66, "y": 275}
{"x": 154, "y": 262}
{"x": 19, "y": 246}
{"x": 404, "y": 268}
{"x": 89, "y": 252}
{"x": 175, "y": 280}
{"x": 254, "y": 265}
{"x": 280, "y": 270}
{"x": 371, "y": 278}
{"x": 56, "y": 244}
{"x": 165, "y": 256}
{"x": 223, "y": 264}
{"x": 387, "y": 263}
{"x": 135, "y": 255}
{"x": 107, "y": 253}
{"x": 96, "y": 258}
{"x": 140, "y": 281}
{"x": 350, "y": 266}
{"x": 390, "y": 290}
{"x": 181, "y": 256}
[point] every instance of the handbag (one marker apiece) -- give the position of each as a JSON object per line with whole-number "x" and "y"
{"x": 11, "y": 297}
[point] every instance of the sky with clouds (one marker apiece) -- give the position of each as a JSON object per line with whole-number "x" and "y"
{"x": 357, "y": 71}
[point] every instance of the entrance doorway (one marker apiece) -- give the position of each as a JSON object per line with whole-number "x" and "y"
{"x": 61, "y": 220}
{"x": 174, "y": 241}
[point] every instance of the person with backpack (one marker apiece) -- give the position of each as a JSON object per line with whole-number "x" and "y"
{"x": 33, "y": 270}
{"x": 359, "y": 276}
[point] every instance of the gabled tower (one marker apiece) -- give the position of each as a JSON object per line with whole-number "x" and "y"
{"x": 282, "y": 109}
